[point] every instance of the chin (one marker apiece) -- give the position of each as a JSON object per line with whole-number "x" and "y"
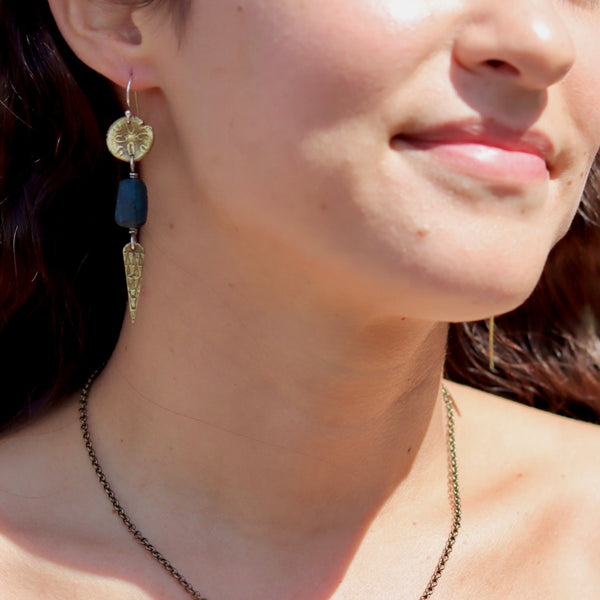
{"x": 474, "y": 297}
{"x": 493, "y": 301}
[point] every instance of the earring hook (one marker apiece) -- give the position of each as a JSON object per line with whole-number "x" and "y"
{"x": 128, "y": 97}
{"x": 127, "y": 92}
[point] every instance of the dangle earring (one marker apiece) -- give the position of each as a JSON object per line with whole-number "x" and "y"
{"x": 129, "y": 140}
{"x": 491, "y": 357}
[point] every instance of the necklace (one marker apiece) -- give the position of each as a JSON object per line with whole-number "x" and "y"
{"x": 186, "y": 585}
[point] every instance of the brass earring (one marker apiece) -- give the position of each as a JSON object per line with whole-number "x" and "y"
{"x": 129, "y": 140}
{"x": 491, "y": 331}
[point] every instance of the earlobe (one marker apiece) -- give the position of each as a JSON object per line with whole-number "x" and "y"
{"x": 104, "y": 36}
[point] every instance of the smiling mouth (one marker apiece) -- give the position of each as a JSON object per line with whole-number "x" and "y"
{"x": 485, "y": 152}
{"x": 482, "y": 161}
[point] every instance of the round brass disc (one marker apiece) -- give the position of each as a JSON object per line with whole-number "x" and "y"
{"x": 126, "y": 138}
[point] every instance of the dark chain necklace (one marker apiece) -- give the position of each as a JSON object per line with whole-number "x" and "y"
{"x": 186, "y": 585}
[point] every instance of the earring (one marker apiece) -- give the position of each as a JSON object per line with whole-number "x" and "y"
{"x": 129, "y": 140}
{"x": 491, "y": 357}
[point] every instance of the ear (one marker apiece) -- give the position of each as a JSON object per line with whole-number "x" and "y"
{"x": 104, "y": 35}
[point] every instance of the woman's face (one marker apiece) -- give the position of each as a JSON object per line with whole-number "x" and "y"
{"x": 431, "y": 150}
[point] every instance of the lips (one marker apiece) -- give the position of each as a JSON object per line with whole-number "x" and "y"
{"x": 484, "y": 150}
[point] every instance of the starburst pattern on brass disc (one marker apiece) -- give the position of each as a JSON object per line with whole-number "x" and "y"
{"x": 128, "y": 137}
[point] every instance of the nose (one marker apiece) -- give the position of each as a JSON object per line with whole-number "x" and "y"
{"x": 526, "y": 40}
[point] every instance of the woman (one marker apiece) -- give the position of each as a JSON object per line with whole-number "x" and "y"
{"x": 331, "y": 183}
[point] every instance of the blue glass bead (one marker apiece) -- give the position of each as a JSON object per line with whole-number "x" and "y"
{"x": 132, "y": 203}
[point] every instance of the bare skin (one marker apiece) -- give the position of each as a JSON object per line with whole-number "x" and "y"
{"x": 530, "y": 490}
{"x": 273, "y": 420}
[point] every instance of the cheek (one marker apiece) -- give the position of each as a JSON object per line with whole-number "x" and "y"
{"x": 287, "y": 66}
{"x": 583, "y": 85}
{"x": 320, "y": 61}
{"x": 582, "y": 97}
{"x": 274, "y": 77}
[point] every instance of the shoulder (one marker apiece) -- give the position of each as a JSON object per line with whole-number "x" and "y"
{"x": 56, "y": 541}
{"x": 37, "y": 484}
{"x": 550, "y": 443}
{"x": 540, "y": 473}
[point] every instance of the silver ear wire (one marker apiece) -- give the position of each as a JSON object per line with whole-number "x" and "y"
{"x": 127, "y": 92}
{"x": 129, "y": 110}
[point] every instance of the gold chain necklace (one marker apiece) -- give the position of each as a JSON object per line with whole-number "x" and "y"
{"x": 186, "y": 585}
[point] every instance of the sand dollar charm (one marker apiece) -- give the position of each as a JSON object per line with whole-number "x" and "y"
{"x": 127, "y": 137}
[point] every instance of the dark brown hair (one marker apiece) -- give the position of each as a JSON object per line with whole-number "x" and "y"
{"x": 62, "y": 296}
{"x": 61, "y": 302}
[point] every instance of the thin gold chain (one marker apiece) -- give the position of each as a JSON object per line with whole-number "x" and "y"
{"x": 186, "y": 585}
{"x": 454, "y": 494}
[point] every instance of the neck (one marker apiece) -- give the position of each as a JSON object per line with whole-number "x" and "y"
{"x": 304, "y": 408}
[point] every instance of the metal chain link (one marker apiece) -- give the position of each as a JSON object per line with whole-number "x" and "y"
{"x": 454, "y": 493}
{"x": 185, "y": 584}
